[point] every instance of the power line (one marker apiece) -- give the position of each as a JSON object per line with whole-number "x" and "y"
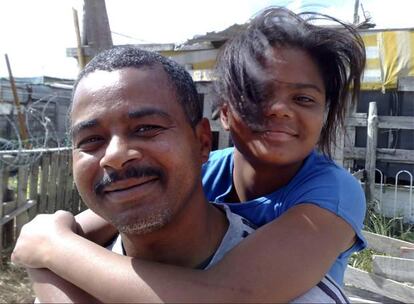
{"x": 129, "y": 37}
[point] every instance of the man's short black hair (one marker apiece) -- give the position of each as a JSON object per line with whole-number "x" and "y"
{"x": 132, "y": 57}
{"x": 337, "y": 50}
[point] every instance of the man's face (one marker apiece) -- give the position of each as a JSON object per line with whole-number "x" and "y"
{"x": 293, "y": 112}
{"x": 136, "y": 159}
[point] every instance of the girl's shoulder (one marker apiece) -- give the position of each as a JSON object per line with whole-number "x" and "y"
{"x": 320, "y": 166}
{"x": 221, "y": 155}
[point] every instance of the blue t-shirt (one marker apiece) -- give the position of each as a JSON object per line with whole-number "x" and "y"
{"x": 319, "y": 181}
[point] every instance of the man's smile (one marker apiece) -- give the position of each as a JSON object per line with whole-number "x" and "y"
{"x": 127, "y": 184}
{"x": 130, "y": 190}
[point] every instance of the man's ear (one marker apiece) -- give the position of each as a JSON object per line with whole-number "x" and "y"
{"x": 205, "y": 137}
{"x": 224, "y": 117}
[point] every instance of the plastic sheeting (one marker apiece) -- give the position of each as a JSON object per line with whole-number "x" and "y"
{"x": 390, "y": 55}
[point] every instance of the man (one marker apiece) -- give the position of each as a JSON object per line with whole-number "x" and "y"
{"x": 139, "y": 141}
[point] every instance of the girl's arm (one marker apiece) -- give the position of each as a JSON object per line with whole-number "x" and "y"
{"x": 277, "y": 263}
{"x": 50, "y": 288}
{"x": 94, "y": 228}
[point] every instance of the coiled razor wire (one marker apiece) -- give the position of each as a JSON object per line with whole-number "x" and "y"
{"x": 14, "y": 152}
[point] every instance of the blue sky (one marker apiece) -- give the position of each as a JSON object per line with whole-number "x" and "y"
{"x": 35, "y": 34}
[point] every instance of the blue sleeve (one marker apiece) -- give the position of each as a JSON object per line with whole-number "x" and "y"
{"x": 336, "y": 190}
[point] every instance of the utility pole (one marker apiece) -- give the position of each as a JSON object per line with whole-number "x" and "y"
{"x": 96, "y": 33}
{"x": 356, "y": 16}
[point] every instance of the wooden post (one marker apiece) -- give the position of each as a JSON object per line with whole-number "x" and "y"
{"x": 8, "y": 205}
{"x": 370, "y": 157}
{"x": 338, "y": 147}
{"x": 81, "y": 58}
{"x": 44, "y": 186}
{"x": 33, "y": 190}
{"x": 52, "y": 183}
{"x": 349, "y": 136}
{"x": 61, "y": 180}
{"x": 69, "y": 185}
{"x": 22, "y": 124}
{"x": 21, "y": 198}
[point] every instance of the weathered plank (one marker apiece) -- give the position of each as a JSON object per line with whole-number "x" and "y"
{"x": 33, "y": 189}
{"x": 375, "y": 283}
{"x": 397, "y": 269}
{"x": 76, "y": 201}
{"x": 61, "y": 180}
{"x": 8, "y": 228}
{"x": 407, "y": 253}
{"x": 349, "y": 141}
{"x": 9, "y": 207}
{"x": 54, "y": 167}
{"x": 16, "y": 212}
{"x": 22, "y": 218}
{"x": 370, "y": 156}
{"x": 68, "y": 201}
{"x": 383, "y": 154}
{"x": 387, "y": 245}
{"x": 338, "y": 151}
{"x": 384, "y": 122}
{"x": 44, "y": 183}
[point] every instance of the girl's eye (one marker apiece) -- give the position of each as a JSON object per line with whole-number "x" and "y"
{"x": 305, "y": 99}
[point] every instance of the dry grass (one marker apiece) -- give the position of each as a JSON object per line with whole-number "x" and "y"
{"x": 15, "y": 286}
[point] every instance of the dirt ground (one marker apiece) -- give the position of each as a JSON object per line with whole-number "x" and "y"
{"x": 14, "y": 283}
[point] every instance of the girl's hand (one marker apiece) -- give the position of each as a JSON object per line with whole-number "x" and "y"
{"x": 38, "y": 237}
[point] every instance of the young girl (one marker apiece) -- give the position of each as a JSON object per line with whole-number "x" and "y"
{"x": 284, "y": 85}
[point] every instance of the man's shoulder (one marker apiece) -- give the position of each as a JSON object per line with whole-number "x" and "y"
{"x": 238, "y": 229}
{"x": 326, "y": 291}
{"x": 115, "y": 245}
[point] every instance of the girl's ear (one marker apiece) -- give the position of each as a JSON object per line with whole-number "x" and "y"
{"x": 224, "y": 117}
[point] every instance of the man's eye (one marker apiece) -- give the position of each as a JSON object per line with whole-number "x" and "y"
{"x": 148, "y": 130}
{"x": 89, "y": 143}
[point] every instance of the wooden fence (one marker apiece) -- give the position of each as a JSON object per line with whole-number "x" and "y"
{"x": 44, "y": 186}
{"x": 346, "y": 151}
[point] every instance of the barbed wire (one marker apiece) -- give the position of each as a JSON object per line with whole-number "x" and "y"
{"x": 42, "y": 133}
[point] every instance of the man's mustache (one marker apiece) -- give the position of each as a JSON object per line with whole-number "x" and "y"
{"x": 130, "y": 172}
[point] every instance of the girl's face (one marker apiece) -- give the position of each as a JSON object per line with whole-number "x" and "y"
{"x": 293, "y": 113}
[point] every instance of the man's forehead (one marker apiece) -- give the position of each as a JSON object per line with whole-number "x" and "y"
{"x": 95, "y": 86}
{"x": 122, "y": 92}
{"x": 100, "y": 79}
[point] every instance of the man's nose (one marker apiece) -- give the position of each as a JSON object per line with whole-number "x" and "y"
{"x": 119, "y": 152}
{"x": 280, "y": 108}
